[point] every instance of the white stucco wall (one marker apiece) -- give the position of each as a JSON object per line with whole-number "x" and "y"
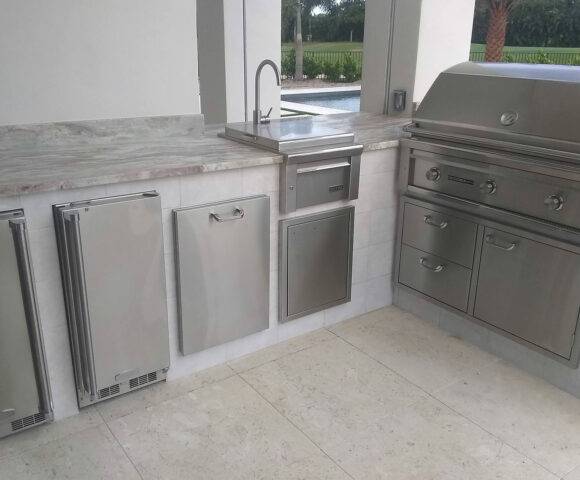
{"x": 88, "y": 59}
{"x": 444, "y": 39}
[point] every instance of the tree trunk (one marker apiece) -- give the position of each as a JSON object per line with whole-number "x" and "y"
{"x": 496, "y": 31}
{"x": 299, "y": 46}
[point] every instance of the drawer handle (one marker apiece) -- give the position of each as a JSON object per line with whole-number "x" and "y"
{"x": 237, "y": 215}
{"x": 507, "y": 246}
{"x": 434, "y": 268}
{"x": 320, "y": 168}
{"x": 429, "y": 221}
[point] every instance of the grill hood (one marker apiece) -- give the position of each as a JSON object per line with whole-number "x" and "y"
{"x": 535, "y": 107}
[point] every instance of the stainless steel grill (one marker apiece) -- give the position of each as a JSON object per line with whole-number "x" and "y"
{"x": 492, "y": 170}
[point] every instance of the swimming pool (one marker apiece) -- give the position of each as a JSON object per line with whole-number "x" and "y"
{"x": 342, "y": 100}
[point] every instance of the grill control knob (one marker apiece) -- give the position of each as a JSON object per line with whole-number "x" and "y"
{"x": 554, "y": 202}
{"x": 489, "y": 187}
{"x": 433, "y": 174}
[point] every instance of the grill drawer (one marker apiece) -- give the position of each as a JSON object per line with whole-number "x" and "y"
{"x": 441, "y": 234}
{"x": 436, "y": 277}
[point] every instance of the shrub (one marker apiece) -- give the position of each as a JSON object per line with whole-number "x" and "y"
{"x": 332, "y": 71}
{"x": 350, "y": 69}
{"x": 576, "y": 61}
{"x": 288, "y": 63}
{"x": 312, "y": 67}
{"x": 544, "y": 58}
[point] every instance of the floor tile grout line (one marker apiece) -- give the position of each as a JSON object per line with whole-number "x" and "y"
{"x": 123, "y": 449}
{"x": 296, "y": 427}
{"x": 451, "y": 408}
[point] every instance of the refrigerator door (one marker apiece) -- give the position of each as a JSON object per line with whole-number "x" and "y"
{"x": 117, "y": 274}
{"x": 223, "y": 268}
{"x": 24, "y": 394}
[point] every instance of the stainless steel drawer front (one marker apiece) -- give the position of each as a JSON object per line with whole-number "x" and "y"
{"x": 316, "y": 262}
{"x": 315, "y": 177}
{"x": 223, "y": 271}
{"x": 529, "y": 289}
{"x": 434, "y": 276}
{"x": 440, "y": 234}
{"x": 505, "y": 188}
{"x": 322, "y": 183}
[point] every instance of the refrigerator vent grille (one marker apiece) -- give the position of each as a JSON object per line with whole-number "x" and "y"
{"x": 143, "y": 379}
{"x": 108, "y": 391}
{"x": 27, "y": 421}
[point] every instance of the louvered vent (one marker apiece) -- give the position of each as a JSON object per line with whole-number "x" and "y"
{"x": 27, "y": 421}
{"x": 143, "y": 379}
{"x": 108, "y": 391}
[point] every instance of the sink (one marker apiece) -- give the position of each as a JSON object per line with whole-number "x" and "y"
{"x": 287, "y": 135}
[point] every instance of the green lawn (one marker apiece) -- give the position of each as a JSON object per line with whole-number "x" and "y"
{"x": 328, "y": 46}
{"x": 476, "y": 47}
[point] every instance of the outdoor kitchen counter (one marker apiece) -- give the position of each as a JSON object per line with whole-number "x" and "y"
{"x": 63, "y": 156}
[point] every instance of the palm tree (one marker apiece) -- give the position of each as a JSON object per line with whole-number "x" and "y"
{"x": 499, "y": 11}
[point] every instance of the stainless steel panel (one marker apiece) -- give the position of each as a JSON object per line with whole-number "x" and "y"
{"x": 114, "y": 274}
{"x": 24, "y": 389}
{"x": 439, "y": 233}
{"x": 316, "y": 262}
{"x": 284, "y": 136}
{"x": 527, "y": 104}
{"x": 529, "y": 289}
{"x": 541, "y": 196}
{"x": 315, "y": 177}
{"x": 434, "y": 276}
{"x": 223, "y": 271}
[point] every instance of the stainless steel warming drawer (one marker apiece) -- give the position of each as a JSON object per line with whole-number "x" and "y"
{"x": 315, "y": 269}
{"x": 25, "y": 398}
{"x": 314, "y": 177}
{"x": 113, "y": 269}
{"x": 222, "y": 253}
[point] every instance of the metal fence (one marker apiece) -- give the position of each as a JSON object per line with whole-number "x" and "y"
{"x": 533, "y": 56}
{"x": 326, "y": 56}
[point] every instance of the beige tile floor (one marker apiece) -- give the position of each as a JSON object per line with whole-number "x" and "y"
{"x": 383, "y": 396}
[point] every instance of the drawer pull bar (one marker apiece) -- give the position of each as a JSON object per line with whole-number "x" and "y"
{"x": 434, "y": 268}
{"x": 508, "y": 246}
{"x": 320, "y": 168}
{"x": 429, "y": 221}
{"x": 237, "y": 215}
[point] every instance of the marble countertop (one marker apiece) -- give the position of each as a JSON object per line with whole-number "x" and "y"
{"x": 64, "y": 156}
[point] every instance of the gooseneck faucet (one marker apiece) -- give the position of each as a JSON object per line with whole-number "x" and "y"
{"x": 258, "y": 117}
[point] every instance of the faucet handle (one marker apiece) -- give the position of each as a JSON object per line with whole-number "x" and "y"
{"x": 266, "y": 118}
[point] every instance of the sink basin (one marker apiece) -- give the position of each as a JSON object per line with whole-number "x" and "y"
{"x": 287, "y": 135}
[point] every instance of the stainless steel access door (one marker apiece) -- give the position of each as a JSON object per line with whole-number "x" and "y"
{"x": 24, "y": 391}
{"x": 315, "y": 270}
{"x": 114, "y": 274}
{"x": 529, "y": 289}
{"x": 223, "y": 271}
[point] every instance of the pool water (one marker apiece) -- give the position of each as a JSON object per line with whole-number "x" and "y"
{"x": 349, "y": 101}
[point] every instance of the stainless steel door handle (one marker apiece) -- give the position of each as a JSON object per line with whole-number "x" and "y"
{"x": 72, "y": 220}
{"x": 21, "y": 248}
{"x": 493, "y": 241}
{"x": 434, "y": 268}
{"x": 429, "y": 221}
{"x": 320, "y": 168}
{"x": 238, "y": 214}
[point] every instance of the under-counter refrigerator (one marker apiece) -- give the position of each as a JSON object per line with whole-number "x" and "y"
{"x": 113, "y": 271}
{"x": 25, "y": 399}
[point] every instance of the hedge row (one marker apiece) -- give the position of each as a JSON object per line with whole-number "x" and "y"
{"x": 347, "y": 69}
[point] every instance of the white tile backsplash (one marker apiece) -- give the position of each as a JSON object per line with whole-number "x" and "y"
{"x": 375, "y": 218}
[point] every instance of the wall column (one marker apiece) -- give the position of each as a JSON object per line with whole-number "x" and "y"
{"x": 234, "y": 36}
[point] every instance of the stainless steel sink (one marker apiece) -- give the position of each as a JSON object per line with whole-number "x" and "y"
{"x": 287, "y": 135}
